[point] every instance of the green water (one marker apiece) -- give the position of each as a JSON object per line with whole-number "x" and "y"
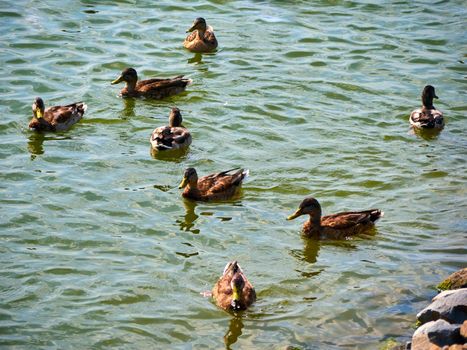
{"x": 98, "y": 249}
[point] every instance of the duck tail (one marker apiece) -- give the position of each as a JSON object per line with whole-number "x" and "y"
{"x": 187, "y": 81}
{"x": 375, "y": 214}
{"x": 245, "y": 173}
{"x": 83, "y": 106}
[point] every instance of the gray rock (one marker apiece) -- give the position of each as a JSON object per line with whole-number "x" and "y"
{"x": 440, "y": 333}
{"x": 450, "y": 305}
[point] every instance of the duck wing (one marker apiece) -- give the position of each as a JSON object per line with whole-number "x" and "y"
{"x": 167, "y": 137}
{"x": 62, "y": 114}
{"x": 223, "y": 181}
{"x": 156, "y": 84}
{"x": 209, "y": 37}
{"x": 192, "y": 36}
{"x": 351, "y": 218}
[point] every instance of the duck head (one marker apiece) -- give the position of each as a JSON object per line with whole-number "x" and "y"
{"x": 308, "y": 206}
{"x": 237, "y": 281}
{"x": 129, "y": 76}
{"x": 190, "y": 177}
{"x": 198, "y": 24}
{"x": 175, "y": 117}
{"x": 38, "y": 108}
{"x": 428, "y": 94}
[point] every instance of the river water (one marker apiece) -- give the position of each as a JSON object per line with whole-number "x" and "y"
{"x": 98, "y": 249}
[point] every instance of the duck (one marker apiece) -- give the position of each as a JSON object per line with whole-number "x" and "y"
{"x": 173, "y": 136}
{"x": 233, "y": 291}
{"x": 219, "y": 186}
{"x": 427, "y": 117}
{"x": 202, "y": 38}
{"x": 153, "y": 88}
{"x": 335, "y": 226}
{"x": 55, "y": 118}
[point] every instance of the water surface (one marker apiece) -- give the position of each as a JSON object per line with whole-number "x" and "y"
{"x": 99, "y": 250}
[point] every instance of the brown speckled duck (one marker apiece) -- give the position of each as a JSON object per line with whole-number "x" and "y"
{"x": 56, "y": 118}
{"x": 152, "y": 88}
{"x": 173, "y": 136}
{"x": 202, "y": 38}
{"x": 217, "y": 186}
{"x": 335, "y": 226}
{"x": 427, "y": 117}
{"x": 233, "y": 291}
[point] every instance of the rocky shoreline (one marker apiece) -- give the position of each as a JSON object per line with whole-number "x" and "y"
{"x": 442, "y": 325}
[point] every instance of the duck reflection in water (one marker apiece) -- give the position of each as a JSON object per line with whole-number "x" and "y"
{"x": 234, "y": 331}
{"x": 426, "y": 134}
{"x": 176, "y": 155}
{"x": 129, "y": 108}
{"x": 197, "y": 58}
{"x": 310, "y": 250}
{"x": 187, "y": 223}
{"x": 36, "y": 142}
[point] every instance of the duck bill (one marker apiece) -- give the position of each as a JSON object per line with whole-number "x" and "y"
{"x": 192, "y": 28}
{"x": 235, "y": 299}
{"x": 39, "y": 114}
{"x": 435, "y": 96}
{"x": 297, "y": 213}
{"x": 183, "y": 183}
{"x": 118, "y": 80}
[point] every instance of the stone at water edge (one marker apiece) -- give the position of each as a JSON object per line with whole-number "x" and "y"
{"x": 464, "y": 329}
{"x": 439, "y": 333}
{"x": 455, "y": 281}
{"x": 450, "y": 305}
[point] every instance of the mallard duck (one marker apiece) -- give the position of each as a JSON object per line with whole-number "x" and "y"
{"x": 427, "y": 117}
{"x": 335, "y": 226}
{"x": 153, "y": 88}
{"x": 202, "y": 38}
{"x": 233, "y": 291}
{"x": 211, "y": 187}
{"x": 56, "y": 118}
{"x": 172, "y": 136}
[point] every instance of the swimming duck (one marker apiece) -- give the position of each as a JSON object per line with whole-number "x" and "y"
{"x": 56, "y": 118}
{"x": 233, "y": 291}
{"x": 211, "y": 187}
{"x": 335, "y": 226}
{"x": 427, "y": 117}
{"x": 172, "y": 136}
{"x": 202, "y": 38}
{"x": 153, "y": 88}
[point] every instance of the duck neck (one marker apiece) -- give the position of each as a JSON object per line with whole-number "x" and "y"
{"x": 201, "y": 33}
{"x": 315, "y": 221}
{"x": 192, "y": 188}
{"x": 427, "y": 102}
{"x": 130, "y": 86}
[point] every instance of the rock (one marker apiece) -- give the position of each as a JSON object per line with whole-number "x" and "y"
{"x": 436, "y": 334}
{"x": 456, "y": 347}
{"x": 450, "y": 305}
{"x": 464, "y": 330}
{"x": 420, "y": 340}
{"x": 455, "y": 281}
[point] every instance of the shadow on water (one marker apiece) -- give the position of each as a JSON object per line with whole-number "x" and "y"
{"x": 234, "y": 331}
{"x": 187, "y": 222}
